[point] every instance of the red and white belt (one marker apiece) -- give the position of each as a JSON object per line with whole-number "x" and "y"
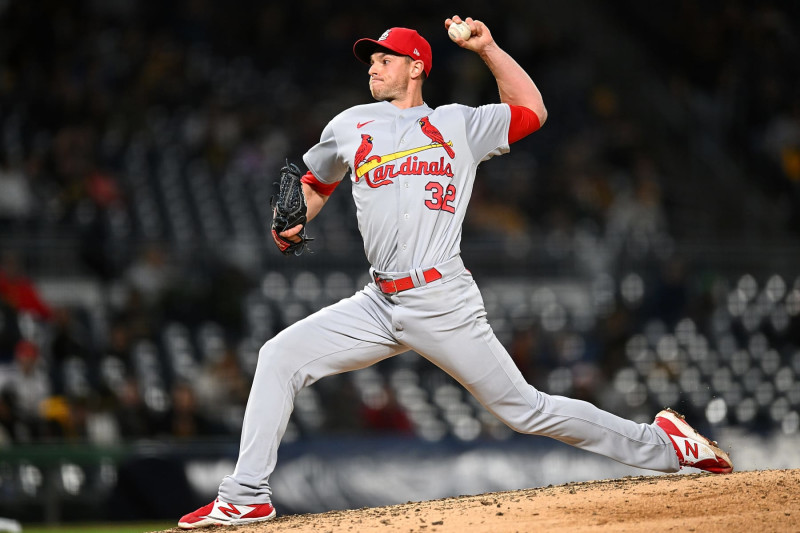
{"x": 393, "y": 286}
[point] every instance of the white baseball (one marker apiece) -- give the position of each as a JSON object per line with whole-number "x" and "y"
{"x": 459, "y": 30}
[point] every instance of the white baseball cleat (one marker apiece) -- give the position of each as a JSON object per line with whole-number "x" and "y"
{"x": 692, "y": 448}
{"x": 219, "y": 513}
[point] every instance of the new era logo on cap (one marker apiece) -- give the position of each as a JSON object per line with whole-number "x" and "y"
{"x": 402, "y": 41}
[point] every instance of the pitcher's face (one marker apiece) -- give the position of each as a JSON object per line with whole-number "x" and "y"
{"x": 389, "y": 76}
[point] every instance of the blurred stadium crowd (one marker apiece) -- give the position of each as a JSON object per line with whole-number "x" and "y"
{"x": 139, "y": 142}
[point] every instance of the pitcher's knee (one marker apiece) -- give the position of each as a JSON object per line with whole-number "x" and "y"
{"x": 524, "y": 414}
{"x": 277, "y": 358}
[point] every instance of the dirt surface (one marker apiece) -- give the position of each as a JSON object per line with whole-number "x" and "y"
{"x": 756, "y": 501}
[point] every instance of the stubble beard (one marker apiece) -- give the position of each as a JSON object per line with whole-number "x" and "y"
{"x": 388, "y": 93}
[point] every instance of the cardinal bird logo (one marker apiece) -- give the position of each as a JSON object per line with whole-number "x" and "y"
{"x": 360, "y": 158}
{"x": 363, "y": 151}
{"x": 433, "y": 134}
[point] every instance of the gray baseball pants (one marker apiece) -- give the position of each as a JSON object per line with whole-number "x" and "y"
{"x": 445, "y": 322}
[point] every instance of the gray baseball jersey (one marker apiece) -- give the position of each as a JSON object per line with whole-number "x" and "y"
{"x": 413, "y": 172}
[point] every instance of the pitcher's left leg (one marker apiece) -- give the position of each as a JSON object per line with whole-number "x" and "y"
{"x": 461, "y": 342}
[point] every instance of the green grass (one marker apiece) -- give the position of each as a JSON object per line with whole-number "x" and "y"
{"x": 138, "y": 527}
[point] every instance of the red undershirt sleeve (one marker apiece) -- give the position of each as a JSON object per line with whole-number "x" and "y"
{"x": 324, "y": 189}
{"x": 523, "y": 123}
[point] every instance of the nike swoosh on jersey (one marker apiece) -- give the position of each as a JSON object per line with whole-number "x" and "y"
{"x": 362, "y": 124}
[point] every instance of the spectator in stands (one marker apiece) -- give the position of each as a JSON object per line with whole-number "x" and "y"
{"x": 18, "y": 290}
{"x": 132, "y": 415}
{"x": 27, "y": 380}
{"x": 381, "y": 413}
{"x": 342, "y": 406}
{"x": 524, "y": 342}
{"x": 669, "y": 299}
{"x": 636, "y": 221}
{"x": 221, "y": 387}
{"x": 62, "y": 418}
{"x": 17, "y": 201}
{"x": 131, "y": 319}
{"x": 151, "y": 274}
{"x": 10, "y": 425}
{"x": 69, "y": 339}
{"x": 119, "y": 341}
{"x": 186, "y": 419}
{"x": 9, "y": 332}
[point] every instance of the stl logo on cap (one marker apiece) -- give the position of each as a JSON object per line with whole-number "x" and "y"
{"x": 401, "y": 41}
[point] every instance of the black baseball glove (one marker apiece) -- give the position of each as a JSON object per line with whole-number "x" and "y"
{"x": 288, "y": 210}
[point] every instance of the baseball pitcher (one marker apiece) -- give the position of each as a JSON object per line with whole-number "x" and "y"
{"x": 412, "y": 170}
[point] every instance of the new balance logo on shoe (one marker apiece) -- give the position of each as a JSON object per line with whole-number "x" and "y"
{"x": 220, "y": 513}
{"x": 690, "y": 448}
{"x": 693, "y": 449}
{"x": 230, "y": 510}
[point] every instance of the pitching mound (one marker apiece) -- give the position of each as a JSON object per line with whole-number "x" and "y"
{"x": 766, "y": 500}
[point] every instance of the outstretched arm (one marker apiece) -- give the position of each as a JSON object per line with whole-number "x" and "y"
{"x": 514, "y": 84}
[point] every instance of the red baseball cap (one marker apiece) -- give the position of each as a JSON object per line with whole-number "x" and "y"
{"x": 402, "y": 41}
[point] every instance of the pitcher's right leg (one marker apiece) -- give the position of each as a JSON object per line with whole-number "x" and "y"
{"x": 348, "y": 335}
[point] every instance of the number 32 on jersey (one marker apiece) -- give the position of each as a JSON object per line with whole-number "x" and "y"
{"x": 441, "y": 197}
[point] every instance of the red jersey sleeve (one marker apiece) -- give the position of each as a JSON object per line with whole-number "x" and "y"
{"x": 523, "y": 123}
{"x": 324, "y": 189}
